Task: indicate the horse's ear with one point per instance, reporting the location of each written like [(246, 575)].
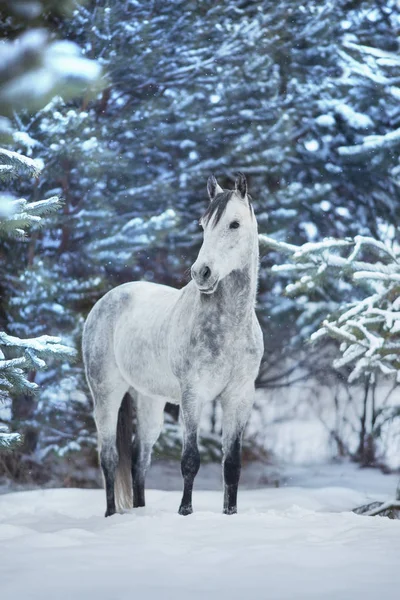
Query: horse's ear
[(213, 188), (241, 185)]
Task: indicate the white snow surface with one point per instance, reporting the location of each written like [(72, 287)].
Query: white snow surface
[(285, 543)]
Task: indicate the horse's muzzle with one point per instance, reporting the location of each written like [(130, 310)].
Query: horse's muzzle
[(204, 278)]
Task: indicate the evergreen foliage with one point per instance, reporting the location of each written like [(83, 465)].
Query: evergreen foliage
[(366, 329), (19, 357), (347, 292), (33, 68), (303, 98)]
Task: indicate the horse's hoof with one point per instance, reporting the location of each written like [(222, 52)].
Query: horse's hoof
[(185, 510), (110, 512), (232, 510)]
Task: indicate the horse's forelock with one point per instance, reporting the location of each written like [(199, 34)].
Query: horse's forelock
[(217, 207)]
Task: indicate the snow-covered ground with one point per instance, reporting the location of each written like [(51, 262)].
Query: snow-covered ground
[(286, 543)]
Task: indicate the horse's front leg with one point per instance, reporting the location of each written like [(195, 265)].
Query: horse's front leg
[(236, 406), (190, 463)]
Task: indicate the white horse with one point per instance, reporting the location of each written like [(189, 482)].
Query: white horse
[(157, 344)]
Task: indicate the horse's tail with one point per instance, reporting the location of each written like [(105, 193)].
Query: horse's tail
[(123, 477)]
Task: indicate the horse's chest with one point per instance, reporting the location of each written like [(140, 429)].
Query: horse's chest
[(212, 337), (215, 349)]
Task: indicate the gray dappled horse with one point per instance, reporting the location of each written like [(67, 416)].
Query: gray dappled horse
[(156, 344)]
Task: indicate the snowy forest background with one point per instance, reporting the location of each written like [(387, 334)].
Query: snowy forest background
[(113, 113)]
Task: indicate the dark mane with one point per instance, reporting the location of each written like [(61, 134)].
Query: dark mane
[(217, 206)]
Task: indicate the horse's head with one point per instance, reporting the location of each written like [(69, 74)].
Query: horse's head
[(230, 235)]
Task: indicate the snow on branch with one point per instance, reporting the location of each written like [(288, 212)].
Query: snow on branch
[(16, 216), (9, 441), (371, 144), (23, 215), (389, 57), (45, 345), (25, 355), (13, 164), (367, 331), (269, 242), (390, 509)]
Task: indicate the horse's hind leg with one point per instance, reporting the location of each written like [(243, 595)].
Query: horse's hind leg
[(106, 409), (149, 422)]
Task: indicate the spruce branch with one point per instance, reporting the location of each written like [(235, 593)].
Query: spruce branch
[(9, 441), (14, 164)]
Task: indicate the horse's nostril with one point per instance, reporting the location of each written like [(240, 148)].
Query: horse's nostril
[(205, 273)]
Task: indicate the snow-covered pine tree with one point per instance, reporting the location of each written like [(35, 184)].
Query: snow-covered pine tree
[(343, 86), (34, 66), (273, 89), (367, 329), (365, 332), (362, 319), (19, 357), (132, 165)]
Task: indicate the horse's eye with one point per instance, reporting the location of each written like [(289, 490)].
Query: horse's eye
[(234, 225)]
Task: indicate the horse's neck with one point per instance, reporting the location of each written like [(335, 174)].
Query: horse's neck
[(236, 294)]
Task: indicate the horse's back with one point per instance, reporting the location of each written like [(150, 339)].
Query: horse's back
[(126, 332)]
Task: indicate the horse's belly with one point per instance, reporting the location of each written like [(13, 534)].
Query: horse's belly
[(148, 376), (145, 367), (152, 387)]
